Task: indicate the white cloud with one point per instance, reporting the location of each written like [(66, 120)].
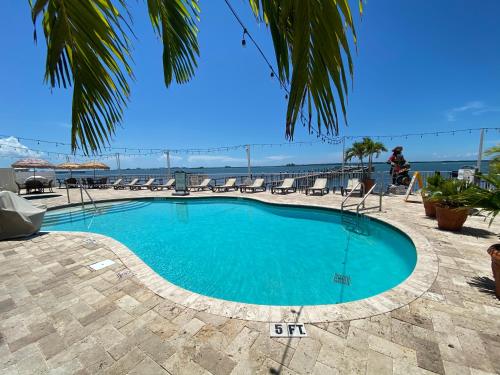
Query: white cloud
[(486, 110), (11, 147), (476, 106), (278, 157)]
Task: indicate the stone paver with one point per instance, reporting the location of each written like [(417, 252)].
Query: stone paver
[(59, 317)]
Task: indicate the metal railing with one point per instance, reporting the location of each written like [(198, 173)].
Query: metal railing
[(359, 187), (362, 203), (83, 189), (335, 178)]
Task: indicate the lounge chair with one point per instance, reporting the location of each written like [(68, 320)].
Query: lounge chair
[(148, 185), (229, 185), (319, 187), (132, 184), (201, 187), (169, 185), (258, 185), (354, 185), (285, 187), (116, 185)]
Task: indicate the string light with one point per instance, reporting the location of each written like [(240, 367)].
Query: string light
[(321, 138), (243, 41)]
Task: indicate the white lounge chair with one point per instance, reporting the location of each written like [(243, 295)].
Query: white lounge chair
[(354, 185), (169, 185), (318, 187), (229, 185), (116, 185), (285, 187), (148, 185), (258, 185), (132, 184), (205, 185)]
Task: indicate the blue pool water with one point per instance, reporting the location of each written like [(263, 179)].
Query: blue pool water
[(246, 251)]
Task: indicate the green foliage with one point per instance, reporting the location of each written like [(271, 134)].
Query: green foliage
[(175, 23), (487, 200), (312, 37), (366, 148), (372, 149), (433, 184), (88, 48), (450, 193), (495, 161), (357, 150)]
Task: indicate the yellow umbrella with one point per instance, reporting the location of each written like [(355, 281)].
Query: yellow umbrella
[(94, 165), (69, 166)]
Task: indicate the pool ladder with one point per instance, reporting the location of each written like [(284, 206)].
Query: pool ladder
[(358, 223)]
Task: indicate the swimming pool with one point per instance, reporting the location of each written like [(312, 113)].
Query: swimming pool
[(246, 251)]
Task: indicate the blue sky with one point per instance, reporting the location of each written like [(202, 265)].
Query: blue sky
[(420, 67)]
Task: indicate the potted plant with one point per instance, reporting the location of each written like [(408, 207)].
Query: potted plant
[(488, 200), (451, 204), (432, 186), (367, 148)]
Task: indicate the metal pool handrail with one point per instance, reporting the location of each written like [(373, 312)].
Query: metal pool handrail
[(362, 203), (343, 204)]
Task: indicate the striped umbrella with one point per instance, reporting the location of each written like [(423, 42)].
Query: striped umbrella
[(94, 165), (69, 166), (33, 163)]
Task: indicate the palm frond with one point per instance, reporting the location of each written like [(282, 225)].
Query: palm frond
[(357, 150), (88, 49), (313, 54), (174, 21)]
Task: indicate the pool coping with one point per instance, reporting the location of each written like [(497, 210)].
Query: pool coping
[(414, 286)]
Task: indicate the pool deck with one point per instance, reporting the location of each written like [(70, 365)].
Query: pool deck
[(57, 316)]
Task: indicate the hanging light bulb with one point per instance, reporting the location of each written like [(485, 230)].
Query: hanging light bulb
[(243, 40)]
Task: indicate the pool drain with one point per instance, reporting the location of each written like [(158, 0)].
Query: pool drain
[(342, 279)]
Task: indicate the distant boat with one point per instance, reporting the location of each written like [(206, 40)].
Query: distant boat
[(290, 165), (227, 166)]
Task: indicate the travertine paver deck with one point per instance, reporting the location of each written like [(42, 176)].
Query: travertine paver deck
[(58, 316)]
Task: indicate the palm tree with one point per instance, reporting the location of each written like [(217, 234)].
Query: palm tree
[(495, 161), (372, 149), (89, 49), (357, 150)]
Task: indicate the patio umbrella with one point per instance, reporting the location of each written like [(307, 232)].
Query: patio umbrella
[(94, 165), (69, 166), (33, 163)]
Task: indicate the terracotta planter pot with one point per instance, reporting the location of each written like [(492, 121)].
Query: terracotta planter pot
[(494, 251), (368, 184), (429, 207), (451, 218)]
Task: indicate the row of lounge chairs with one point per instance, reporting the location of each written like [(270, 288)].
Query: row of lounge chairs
[(149, 184), (286, 187), (258, 185)]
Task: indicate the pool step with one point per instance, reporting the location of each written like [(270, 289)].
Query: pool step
[(89, 212)]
